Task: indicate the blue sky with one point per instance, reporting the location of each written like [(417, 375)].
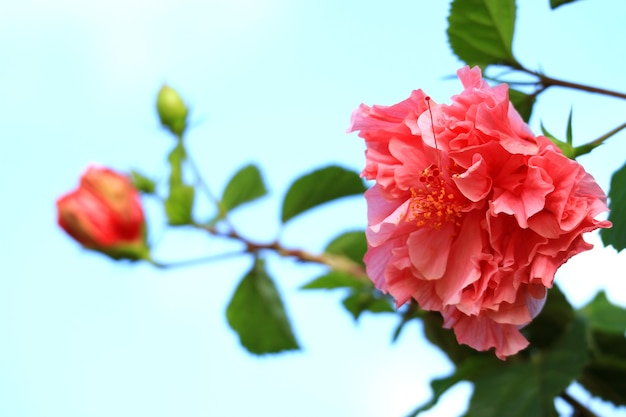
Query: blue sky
[(271, 82)]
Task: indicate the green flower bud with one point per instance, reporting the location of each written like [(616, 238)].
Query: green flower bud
[(172, 110)]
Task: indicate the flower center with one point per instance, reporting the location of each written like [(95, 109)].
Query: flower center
[(432, 204)]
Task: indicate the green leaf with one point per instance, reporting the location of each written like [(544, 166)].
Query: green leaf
[(522, 102), (604, 316), (368, 300), (569, 135), (528, 389), (480, 32), (179, 202), (179, 205), (609, 344), (550, 323), (319, 187), (411, 312), (548, 134), (175, 159), (333, 280), (469, 369), (142, 183), (445, 339), (567, 149), (353, 245), (556, 3), (523, 386), (605, 377), (245, 186), (257, 314), (616, 235)]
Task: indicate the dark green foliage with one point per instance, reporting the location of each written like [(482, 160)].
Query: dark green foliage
[(363, 296), (522, 102), (481, 31), (549, 324), (245, 186), (616, 236), (519, 387), (469, 369), (445, 339), (142, 183), (604, 316), (605, 376), (566, 147), (179, 205), (333, 280), (367, 299), (352, 245), (179, 202), (556, 3), (528, 388), (526, 384), (319, 187), (257, 314), (410, 311)]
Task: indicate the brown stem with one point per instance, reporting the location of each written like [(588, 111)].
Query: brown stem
[(336, 262), (194, 261), (607, 135), (588, 147), (579, 409), (550, 81)]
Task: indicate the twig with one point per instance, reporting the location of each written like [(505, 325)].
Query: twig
[(336, 262), (550, 81), (195, 261), (579, 409)]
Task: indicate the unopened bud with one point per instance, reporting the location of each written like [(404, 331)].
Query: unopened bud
[(105, 214), (172, 110)]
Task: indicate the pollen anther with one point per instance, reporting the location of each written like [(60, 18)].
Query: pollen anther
[(432, 204)]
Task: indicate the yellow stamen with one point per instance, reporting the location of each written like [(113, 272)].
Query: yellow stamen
[(432, 204)]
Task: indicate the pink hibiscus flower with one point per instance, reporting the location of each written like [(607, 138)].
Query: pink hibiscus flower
[(470, 213)]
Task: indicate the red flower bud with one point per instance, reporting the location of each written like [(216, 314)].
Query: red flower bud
[(104, 214)]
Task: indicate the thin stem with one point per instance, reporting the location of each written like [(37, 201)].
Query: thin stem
[(203, 185), (550, 81), (588, 147), (195, 261), (196, 172), (579, 409), (607, 135), (223, 215), (336, 262)]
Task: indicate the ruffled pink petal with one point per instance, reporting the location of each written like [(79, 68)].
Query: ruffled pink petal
[(535, 304), (527, 199), (474, 183), (376, 260), (482, 333), (463, 268), (384, 216), (429, 250)]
